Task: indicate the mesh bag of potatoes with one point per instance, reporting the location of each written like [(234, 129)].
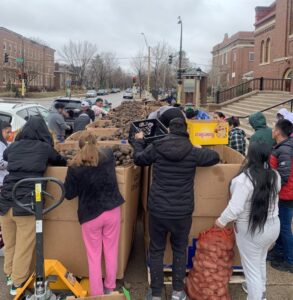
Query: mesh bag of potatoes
[(212, 265)]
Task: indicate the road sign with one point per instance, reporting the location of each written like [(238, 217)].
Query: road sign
[(19, 59)]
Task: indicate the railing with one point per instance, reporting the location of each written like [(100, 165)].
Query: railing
[(271, 107), (260, 84)]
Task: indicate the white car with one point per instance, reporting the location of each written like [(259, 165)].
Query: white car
[(17, 114), (128, 94), (91, 94)]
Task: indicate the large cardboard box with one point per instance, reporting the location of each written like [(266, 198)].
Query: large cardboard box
[(62, 231), (211, 190), (99, 124)]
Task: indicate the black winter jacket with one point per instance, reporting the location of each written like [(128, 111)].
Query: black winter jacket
[(282, 161), (96, 187), (27, 157), (174, 162)]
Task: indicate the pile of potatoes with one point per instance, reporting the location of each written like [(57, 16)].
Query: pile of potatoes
[(123, 154)]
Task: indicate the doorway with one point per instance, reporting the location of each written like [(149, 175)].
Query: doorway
[(288, 76)]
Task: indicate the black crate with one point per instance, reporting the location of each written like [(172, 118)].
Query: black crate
[(153, 129)]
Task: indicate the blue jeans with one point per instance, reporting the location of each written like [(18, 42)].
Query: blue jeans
[(284, 243)]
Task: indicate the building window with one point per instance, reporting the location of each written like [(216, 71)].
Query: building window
[(262, 52), (268, 50), (234, 56), (251, 56), (226, 58)]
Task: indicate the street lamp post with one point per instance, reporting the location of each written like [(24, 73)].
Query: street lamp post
[(179, 86), (149, 62), (198, 79)]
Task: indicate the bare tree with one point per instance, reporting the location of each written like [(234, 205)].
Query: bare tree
[(78, 55), (102, 68)]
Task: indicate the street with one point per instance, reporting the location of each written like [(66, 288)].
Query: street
[(115, 99)]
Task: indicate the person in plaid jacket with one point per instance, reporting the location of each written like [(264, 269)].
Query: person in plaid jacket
[(237, 136)]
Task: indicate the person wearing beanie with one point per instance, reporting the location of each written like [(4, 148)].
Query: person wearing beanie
[(85, 108), (171, 199)]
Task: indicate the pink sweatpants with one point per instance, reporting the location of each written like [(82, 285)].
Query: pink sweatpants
[(103, 231)]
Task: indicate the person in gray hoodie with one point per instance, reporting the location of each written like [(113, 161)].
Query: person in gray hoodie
[(56, 122)]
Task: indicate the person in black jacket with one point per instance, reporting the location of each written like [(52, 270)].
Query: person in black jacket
[(171, 199), (92, 178), (27, 157)]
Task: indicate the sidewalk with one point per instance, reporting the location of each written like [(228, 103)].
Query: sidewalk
[(280, 285)]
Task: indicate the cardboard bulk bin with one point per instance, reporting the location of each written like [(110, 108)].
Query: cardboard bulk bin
[(62, 231), (211, 198), (99, 124)]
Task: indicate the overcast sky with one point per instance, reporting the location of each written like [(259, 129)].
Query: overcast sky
[(116, 25)]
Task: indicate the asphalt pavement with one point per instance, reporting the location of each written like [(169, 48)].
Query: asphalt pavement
[(115, 99)]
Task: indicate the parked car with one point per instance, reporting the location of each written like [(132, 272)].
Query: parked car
[(91, 94), (128, 94), (17, 114), (101, 92), (115, 90)]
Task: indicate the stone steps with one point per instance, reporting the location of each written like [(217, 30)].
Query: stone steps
[(254, 104)]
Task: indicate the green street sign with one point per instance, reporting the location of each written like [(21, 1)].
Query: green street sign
[(19, 59)]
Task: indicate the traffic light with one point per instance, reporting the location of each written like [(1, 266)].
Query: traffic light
[(6, 57), (170, 59), (19, 76), (134, 80), (179, 72), (25, 76)]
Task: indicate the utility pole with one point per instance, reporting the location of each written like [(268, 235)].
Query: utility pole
[(22, 71), (149, 62), (179, 86)]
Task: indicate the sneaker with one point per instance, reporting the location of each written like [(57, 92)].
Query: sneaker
[(108, 291), (13, 290), (272, 256), (9, 280), (244, 287), (150, 297), (283, 266), (179, 295)]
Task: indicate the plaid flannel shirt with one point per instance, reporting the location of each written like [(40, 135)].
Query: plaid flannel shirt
[(237, 140)]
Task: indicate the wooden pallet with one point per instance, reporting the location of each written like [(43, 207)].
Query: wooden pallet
[(236, 278)]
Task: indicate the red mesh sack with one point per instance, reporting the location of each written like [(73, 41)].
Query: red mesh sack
[(212, 265)]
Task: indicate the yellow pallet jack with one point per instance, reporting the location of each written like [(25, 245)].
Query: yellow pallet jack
[(51, 280)]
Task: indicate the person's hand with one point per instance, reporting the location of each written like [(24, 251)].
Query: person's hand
[(218, 224), (139, 135)]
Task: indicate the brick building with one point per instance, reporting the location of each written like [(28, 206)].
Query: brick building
[(38, 61), (267, 52), (233, 58), (274, 40)]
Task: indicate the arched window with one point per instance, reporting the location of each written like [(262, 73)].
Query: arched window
[(268, 50), (262, 51)]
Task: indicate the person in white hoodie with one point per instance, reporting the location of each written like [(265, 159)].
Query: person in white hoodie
[(254, 209), (283, 113), (5, 132)]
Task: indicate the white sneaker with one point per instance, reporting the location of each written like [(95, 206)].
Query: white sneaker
[(179, 295)]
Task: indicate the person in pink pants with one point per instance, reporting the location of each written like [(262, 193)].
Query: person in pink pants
[(92, 178), (102, 232)]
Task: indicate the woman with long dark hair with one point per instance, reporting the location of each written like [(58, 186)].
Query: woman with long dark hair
[(254, 208)]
